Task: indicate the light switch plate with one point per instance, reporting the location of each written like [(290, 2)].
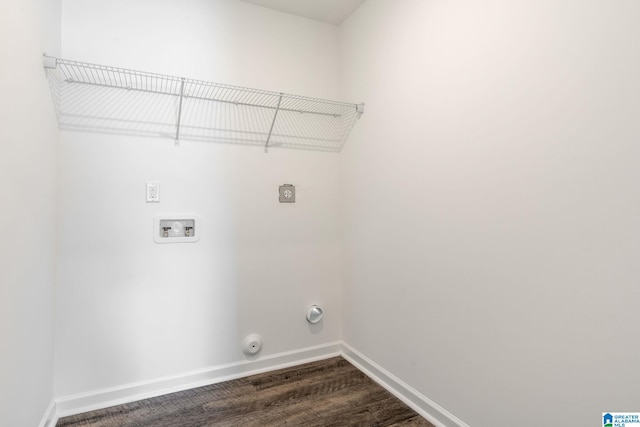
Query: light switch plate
[(287, 193)]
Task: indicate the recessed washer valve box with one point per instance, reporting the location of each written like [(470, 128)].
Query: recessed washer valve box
[(176, 228)]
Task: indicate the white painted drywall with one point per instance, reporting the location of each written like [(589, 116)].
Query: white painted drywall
[(132, 310), (492, 210), (28, 187)]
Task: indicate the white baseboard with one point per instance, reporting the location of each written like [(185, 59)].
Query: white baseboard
[(103, 398), (427, 408), (49, 419)]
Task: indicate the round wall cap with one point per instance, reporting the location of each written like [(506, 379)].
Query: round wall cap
[(252, 344)]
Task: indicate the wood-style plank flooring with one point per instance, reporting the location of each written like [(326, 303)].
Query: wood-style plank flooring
[(327, 393)]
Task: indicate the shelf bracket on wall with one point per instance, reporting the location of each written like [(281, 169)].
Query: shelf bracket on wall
[(360, 109), (275, 115), (180, 111), (49, 62)]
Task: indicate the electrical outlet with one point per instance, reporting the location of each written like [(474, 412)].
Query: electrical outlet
[(153, 192), (287, 193)]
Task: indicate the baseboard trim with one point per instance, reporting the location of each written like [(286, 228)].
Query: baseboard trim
[(104, 398), (427, 408), (49, 419)]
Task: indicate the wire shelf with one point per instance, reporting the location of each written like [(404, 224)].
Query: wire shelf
[(116, 100)]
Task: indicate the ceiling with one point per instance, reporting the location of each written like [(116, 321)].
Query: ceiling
[(329, 11)]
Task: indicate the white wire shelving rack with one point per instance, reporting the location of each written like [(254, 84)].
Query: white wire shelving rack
[(108, 99)]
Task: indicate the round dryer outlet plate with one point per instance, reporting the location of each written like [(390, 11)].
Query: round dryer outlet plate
[(314, 314)]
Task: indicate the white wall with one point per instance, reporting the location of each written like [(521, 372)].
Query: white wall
[(132, 310), (28, 187), (492, 206)]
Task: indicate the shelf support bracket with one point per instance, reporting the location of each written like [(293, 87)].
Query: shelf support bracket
[(49, 62), (360, 109), (266, 145), (179, 112)]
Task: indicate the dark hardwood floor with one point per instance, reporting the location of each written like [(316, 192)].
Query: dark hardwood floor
[(327, 393)]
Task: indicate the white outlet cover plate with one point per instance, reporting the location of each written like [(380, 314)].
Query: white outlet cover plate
[(152, 192)]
